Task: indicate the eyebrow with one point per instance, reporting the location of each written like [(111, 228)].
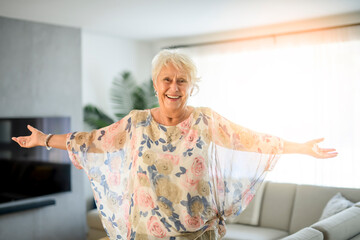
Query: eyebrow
[(166, 75)]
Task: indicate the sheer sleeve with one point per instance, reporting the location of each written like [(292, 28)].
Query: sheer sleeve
[(240, 159), (86, 146)]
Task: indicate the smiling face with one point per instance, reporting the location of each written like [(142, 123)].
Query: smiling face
[(173, 88)]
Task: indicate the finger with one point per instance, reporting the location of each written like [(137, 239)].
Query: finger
[(31, 128), (22, 141), (327, 149), (329, 155), (318, 140)]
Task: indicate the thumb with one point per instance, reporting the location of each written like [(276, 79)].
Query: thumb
[(31, 128)]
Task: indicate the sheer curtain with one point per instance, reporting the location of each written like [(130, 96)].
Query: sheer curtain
[(298, 87)]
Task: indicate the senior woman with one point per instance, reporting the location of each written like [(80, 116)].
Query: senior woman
[(173, 172)]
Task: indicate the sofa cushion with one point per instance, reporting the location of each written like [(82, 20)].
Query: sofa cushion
[(277, 205), (357, 204), (95, 234), (242, 232), (306, 233), (251, 214), (335, 205), (344, 225), (310, 202), (93, 220)]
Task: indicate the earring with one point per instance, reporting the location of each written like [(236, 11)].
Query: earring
[(156, 94)]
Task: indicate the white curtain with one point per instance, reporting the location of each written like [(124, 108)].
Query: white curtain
[(298, 87)]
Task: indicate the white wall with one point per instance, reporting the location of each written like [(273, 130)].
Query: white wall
[(103, 58)]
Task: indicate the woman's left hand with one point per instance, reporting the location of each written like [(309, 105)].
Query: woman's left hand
[(311, 148)]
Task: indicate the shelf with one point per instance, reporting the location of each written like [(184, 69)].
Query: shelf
[(26, 206)]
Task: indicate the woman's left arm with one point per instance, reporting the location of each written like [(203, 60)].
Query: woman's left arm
[(310, 148), (233, 136)]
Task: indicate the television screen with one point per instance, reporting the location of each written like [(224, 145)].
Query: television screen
[(32, 172)]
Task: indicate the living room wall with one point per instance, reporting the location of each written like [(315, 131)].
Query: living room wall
[(40, 68), (104, 57)]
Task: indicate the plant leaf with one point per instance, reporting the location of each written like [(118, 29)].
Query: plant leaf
[(96, 118)]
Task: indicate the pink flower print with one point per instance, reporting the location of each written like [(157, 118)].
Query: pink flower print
[(126, 207), (107, 141), (135, 156), (248, 197), (74, 160), (114, 126), (128, 229), (191, 138), (220, 187), (193, 223), (175, 159), (189, 181), (192, 181), (236, 141), (156, 228), (133, 140), (143, 199), (198, 166), (113, 178), (115, 164), (185, 127), (266, 138)]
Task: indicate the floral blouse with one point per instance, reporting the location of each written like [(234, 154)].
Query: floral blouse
[(152, 181)]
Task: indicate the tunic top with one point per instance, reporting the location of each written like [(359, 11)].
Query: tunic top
[(152, 181)]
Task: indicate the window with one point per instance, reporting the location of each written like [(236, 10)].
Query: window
[(298, 87)]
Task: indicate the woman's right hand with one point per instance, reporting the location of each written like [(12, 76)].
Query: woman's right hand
[(37, 138)]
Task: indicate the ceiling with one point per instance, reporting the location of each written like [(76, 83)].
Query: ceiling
[(157, 19)]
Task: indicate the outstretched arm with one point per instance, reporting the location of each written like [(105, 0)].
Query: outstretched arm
[(37, 138), (310, 148), (237, 137)]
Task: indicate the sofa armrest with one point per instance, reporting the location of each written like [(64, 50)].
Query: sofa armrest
[(93, 220), (305, 233), (343, 225)]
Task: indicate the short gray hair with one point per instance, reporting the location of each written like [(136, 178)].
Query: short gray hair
[(179, 61)]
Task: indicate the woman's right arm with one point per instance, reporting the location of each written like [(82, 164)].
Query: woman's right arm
[(37, 138)]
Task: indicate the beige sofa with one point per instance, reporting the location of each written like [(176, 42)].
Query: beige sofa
[(282, 210)]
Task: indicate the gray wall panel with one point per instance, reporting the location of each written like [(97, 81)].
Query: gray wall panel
[(40, 75)]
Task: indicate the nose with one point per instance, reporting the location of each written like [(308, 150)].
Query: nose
[(174, 85)]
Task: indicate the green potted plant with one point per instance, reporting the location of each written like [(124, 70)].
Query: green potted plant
[(125, 95)]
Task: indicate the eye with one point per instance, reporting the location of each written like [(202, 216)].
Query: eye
[(166, 79), (182, 80)]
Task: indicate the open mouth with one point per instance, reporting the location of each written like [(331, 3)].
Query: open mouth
[(173, 97)]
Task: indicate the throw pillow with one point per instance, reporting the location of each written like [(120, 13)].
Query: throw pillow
[(335, 205)]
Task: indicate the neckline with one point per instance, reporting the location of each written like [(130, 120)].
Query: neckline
[(186, 119)]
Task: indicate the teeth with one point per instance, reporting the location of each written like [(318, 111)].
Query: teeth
[(174, 97)]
